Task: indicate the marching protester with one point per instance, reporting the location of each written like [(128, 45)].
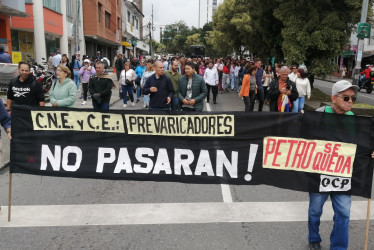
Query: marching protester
[(282, 92), (86, 72), (267, 78), (343, 96), (139, 72), (226, 77), (24, 89), (248, 89), (119, 65), (304, 90), (211, 79), (101, 88), (160, 88), (219, 67), (293, 75), (56, 59), (260, 89), (174, 76), (127, 80), (202, 68), (64, 90), (192, 89), (147, 73), (74, 67), (65, 61)]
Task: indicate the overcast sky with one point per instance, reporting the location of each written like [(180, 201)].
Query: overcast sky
[(170, 11)]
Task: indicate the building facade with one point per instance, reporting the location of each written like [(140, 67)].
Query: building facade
[(207, 10), (50, 25), (133, 44), (102, 27)]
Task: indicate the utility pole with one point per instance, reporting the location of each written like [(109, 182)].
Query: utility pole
[(207, 10), (160, 34), (360, 45), (151, 31)]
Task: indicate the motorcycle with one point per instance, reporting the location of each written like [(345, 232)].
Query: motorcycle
[(43, 76), (368, 84)]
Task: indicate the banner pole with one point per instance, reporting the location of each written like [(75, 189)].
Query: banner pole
[(367, 225), (10, 196)]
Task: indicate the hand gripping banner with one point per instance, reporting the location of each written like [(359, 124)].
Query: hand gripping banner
[(311, 152)]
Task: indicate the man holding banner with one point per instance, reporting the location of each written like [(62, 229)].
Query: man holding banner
[(343, 96)]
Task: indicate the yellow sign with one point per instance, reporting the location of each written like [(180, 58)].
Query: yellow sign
[(313, 156), (181, 125), (77, 121), (126, 44), (16, 57)]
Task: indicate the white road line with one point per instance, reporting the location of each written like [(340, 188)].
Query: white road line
[(167, 213), (226, 192)]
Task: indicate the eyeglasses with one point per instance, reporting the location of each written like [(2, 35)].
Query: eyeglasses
[(346, 98)]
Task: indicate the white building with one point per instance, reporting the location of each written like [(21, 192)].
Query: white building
[(132, 29), (207, 9)]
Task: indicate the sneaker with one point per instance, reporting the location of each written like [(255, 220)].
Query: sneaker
[(89, 97), (84, 103), (124, 106), (81, 97), (144, 106), (133, 104), (314, 246), (137, 100)]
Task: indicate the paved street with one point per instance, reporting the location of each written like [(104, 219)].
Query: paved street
[(68, 213)]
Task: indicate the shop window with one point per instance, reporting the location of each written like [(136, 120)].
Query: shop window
[(137, 23), (107, 20), (128, 16), (118, 23), (69, 8)]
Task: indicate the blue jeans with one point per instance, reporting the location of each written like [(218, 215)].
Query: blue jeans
[(233, 82), (127, 89), (76, 78), (138, 91), (146, 99), (175, 104), (298, 104), (341, 204), (101, 106)]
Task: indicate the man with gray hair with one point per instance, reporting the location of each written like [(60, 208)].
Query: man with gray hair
[(282, 89), (100, 88)]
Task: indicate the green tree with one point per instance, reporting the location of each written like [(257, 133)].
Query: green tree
[(315, 32)]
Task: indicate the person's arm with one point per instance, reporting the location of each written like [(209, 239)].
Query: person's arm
[(203, 91), (180, 88), (308, 90), (91, 88), (294, 93), (40, 94), (273, 91), (5, 118), (170, 89), (147, 86)]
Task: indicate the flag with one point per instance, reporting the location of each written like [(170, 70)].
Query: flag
[(286, 104)]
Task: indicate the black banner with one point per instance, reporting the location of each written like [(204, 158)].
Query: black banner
[(315, 152)]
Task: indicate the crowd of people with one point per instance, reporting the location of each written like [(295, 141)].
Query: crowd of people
[(183, 84)]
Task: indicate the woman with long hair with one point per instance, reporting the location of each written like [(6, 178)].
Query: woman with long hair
[(248, 89), (147, 73), (267, 77), (74, 67), (303, 87)]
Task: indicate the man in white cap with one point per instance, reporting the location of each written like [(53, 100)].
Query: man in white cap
[(343, 96)]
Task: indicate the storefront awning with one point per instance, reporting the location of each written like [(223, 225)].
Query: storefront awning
[(126, 44), (8, 11)]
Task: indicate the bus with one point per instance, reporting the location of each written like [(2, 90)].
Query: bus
[(197, 50)]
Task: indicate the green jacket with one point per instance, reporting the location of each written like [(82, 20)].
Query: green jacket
[(174, 79), (199, 90), (64, 94)]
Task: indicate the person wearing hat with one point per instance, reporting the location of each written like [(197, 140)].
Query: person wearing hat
[(86, 72), (343, 96)]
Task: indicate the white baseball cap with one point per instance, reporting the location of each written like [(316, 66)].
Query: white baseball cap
[(343, 85), (86, 60)]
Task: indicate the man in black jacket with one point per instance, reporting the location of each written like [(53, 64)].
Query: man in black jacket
[(279, 87), (25, 89), (160, 88), (119, 65), (100, 88)]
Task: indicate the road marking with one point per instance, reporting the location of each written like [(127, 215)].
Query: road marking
[(167, 213), (225, 188)]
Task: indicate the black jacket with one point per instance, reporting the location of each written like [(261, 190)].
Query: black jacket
[(164, 89), (29, 92), (102, 86), (273, 93)]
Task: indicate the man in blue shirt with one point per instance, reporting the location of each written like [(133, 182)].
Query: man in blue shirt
[(4, 57), (260, 89)]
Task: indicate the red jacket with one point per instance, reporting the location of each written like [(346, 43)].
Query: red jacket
[(366, 72)]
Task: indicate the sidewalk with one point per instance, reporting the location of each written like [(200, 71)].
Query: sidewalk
[(331, 78)]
